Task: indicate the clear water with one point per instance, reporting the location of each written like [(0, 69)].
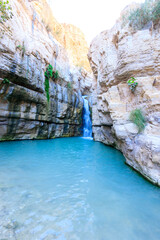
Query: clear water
[(73, 189), (87, 122)]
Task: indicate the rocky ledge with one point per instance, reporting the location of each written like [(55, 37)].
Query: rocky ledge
[(115, 56)]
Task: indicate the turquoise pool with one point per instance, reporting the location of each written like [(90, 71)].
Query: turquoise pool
[(73, 189)]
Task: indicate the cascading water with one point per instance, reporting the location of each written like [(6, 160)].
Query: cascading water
[(87, 123)]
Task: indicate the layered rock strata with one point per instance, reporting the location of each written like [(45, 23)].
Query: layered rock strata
[(26, 49), (115, 56)]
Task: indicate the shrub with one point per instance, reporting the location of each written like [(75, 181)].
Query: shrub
[(70, 85), (5, 81), (55, 75), (139, 17), (156, 12), (48, 75), (22, 49), (132, 84), (136, 116), (5, 11), (149, 11)]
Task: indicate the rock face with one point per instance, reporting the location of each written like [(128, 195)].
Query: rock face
[(115, 56), (26, 49), (76, 45), (68, 35)]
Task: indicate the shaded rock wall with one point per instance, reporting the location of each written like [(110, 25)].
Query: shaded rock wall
[(115, 56), (26, 49)]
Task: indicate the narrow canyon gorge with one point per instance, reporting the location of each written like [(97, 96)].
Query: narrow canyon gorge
[(31, 41)]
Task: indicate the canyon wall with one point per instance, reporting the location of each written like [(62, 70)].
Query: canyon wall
[(26, 49), (68, 35), (115, 56), (77, 47)]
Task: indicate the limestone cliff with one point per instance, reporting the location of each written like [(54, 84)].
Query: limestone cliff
[(68, 35), (76, 45), (26, 49), (115, 56)]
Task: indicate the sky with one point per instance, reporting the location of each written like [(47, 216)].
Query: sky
[(91, 16)]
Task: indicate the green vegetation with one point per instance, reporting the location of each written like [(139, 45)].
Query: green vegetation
[(156, 12), (5, 11), (136, 116), (5, 14), (22, 48), (6, 138), (147, 12), (48, 75), (70, 85), (5, 81), (132, 84), (55, 75)]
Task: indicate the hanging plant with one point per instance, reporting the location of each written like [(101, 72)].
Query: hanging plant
[(132, 84), (48, 74), (55, 75)]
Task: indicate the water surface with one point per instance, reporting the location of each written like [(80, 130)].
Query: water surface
[(73, 189)]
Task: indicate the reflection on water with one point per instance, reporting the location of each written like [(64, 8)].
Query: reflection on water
[(73, 189)]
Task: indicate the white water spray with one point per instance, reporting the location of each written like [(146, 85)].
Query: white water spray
[(87, 123)]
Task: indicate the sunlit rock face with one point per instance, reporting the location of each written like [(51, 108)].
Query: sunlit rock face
[(76, 45), (26, 49), (115, 56), (68, 35)]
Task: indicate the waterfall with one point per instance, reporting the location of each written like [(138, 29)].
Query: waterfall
[(87, 123)]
